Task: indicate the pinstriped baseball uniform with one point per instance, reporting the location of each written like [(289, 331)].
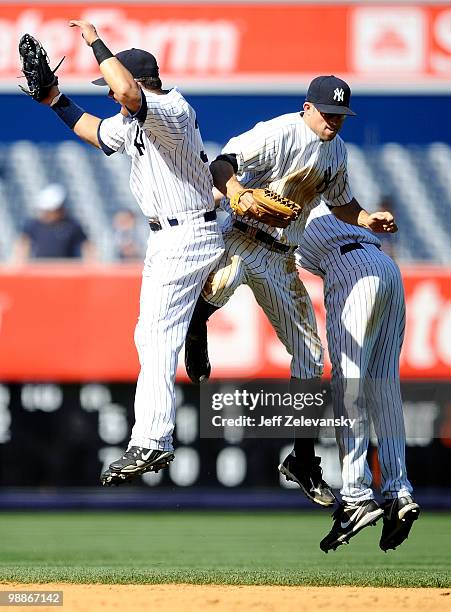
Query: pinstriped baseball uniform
[(364, 300), (169, 172), (171, 181), (285, 155)]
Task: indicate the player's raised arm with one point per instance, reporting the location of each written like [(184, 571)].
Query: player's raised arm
[(121, 82), (43, 83), (83, 124)]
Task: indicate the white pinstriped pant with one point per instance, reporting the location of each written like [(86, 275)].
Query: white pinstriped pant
[(365, 306), (178, 262), (274, 280)]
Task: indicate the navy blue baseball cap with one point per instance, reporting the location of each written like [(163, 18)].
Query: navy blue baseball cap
[(330, 95), (140, 63)]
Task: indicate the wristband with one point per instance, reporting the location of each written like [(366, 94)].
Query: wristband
[(56, 98), (67, 111), (230, 158), (101, 51)]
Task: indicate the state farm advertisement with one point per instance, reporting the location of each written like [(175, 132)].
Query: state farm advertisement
[(76, 323), (245, 47)]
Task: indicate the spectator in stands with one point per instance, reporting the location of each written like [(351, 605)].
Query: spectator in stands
[(128, 242), (53, 233)]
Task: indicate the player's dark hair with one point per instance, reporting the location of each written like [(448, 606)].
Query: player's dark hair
[(150, 82)]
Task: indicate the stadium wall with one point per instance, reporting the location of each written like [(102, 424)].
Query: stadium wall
[(83, 317)]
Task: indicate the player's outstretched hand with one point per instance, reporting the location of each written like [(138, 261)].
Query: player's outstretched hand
[(382, 222), (88, 31)]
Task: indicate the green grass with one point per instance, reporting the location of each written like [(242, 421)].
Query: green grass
[(214, 548)]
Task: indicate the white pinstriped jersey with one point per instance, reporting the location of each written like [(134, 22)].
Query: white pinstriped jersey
[(284, 154), (322, 235), (170, 172)]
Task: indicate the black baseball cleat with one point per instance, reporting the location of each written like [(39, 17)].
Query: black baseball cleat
[(399, 516), (134, 462), (197, 363), (349, 519), (310, 478)]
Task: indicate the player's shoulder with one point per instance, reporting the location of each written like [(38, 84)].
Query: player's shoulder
[(282, 121), (166, 98), (168, 105), (117, 120), (277, 128)]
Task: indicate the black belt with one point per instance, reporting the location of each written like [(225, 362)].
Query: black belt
[(155, 225), (262, 236), (352, 246)]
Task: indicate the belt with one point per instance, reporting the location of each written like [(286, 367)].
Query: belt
[(155, 223), (352, 246), (329, 261), (262, 236)]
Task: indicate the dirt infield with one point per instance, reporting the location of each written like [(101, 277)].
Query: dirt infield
[(192, 598)]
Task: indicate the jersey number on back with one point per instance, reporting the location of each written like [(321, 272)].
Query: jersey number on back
[(139, 141)]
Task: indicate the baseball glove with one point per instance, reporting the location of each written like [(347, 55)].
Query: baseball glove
[(36, 68), (272, 209)]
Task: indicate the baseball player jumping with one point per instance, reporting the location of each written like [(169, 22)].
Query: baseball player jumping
[(364, 300), (171, 182), (301, 157)]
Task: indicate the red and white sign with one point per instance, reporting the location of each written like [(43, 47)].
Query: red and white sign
[(389, 41), (76, 323), (245, 46)]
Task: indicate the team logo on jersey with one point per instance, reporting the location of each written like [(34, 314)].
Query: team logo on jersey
[(139, 141), (327, 179), (339, 94)]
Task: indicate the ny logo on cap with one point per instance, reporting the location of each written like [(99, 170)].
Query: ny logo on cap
[(339, 94)]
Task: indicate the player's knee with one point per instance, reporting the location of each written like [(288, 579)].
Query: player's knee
[(222, 284)]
